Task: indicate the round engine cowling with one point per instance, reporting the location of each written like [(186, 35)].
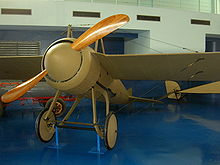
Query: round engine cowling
[(70, 71)]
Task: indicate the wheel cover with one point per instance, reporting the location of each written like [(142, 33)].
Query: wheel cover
[(111, 131), (45, 128)]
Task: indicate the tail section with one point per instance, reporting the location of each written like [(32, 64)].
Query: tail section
[(174, 91)]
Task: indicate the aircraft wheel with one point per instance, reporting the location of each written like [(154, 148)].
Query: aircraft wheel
[(111, 131), (1, 109), (45, 127), (60, 107)]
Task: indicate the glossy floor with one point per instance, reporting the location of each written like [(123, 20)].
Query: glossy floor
[(180, 133)]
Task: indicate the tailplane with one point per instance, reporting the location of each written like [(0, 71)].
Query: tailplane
[(213, 87)]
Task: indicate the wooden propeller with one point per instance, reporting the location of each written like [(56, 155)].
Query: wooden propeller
[(23, 88), (100, 30)]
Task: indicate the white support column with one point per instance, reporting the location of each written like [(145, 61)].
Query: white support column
[(217, 7)]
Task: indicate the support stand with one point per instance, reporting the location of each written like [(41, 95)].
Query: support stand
[(57, 145), (97, 149)]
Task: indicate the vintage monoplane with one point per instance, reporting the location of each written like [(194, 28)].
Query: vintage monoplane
[(70, 66)]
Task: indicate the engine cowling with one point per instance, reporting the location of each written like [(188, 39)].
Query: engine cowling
[(71, 71)]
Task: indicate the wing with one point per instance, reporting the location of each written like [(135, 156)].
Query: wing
[(19, 67), (182, 66)]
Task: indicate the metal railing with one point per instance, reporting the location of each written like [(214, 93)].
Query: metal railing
[(207, 6)]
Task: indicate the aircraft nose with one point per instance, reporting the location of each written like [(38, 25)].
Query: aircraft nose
[(62, 62)]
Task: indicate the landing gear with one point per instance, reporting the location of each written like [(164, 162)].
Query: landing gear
[(60, 107), (46, 121), (1, 109), (111, 131), (45, 126)]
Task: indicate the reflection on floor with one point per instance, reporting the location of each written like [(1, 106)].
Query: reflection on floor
[(183, 133)]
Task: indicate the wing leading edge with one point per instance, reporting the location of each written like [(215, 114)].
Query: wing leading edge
[(19, 67), (183, 66)]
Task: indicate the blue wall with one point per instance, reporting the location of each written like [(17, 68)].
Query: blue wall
[(44, 37), (114, 43)]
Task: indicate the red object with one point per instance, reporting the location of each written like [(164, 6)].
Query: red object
[(45, 99), (36, 99), (10, 84)]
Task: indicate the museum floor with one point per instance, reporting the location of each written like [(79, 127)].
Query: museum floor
[(179, 133)]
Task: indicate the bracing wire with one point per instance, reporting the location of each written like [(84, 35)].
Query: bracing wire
[(171, 44), (124, 106), (140, 44)]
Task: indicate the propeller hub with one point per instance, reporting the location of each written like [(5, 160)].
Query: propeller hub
[(62, 62)]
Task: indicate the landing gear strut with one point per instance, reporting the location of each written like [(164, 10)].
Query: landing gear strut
[(110, 132)]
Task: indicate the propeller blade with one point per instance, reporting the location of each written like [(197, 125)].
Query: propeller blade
[(23, 88), (100, 30)]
